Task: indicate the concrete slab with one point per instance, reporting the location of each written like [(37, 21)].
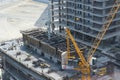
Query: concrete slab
[(56, 74)]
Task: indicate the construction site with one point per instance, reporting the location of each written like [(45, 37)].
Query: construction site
[(75, 40)]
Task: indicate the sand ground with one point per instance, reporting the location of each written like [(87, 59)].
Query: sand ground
[(21, 15)]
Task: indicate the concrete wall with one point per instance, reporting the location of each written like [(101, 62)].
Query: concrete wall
[(42, 48), (50, 56)]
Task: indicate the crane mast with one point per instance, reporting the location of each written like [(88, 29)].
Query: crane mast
[(80, 54), (104, 29), (84, 65)]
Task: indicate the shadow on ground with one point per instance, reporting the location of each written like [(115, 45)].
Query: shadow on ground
[(42, 19)]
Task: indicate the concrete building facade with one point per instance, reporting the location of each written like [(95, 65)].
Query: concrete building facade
[(85, 19)]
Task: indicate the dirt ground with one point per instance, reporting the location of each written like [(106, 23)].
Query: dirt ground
[(20, 15)]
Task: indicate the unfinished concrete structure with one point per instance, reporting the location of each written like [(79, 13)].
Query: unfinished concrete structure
[(39, 42), (32, 62), (85, 18), (38, 58), (52, 48), (20, 60)]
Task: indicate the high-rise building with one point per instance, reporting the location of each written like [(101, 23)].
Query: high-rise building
[(85, 19)]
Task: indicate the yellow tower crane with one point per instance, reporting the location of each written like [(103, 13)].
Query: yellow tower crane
[(84, 66)]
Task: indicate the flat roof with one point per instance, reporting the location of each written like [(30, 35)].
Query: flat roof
[(11, 48)]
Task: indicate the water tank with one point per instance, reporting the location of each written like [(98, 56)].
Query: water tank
[(64, 59), (92, 61)]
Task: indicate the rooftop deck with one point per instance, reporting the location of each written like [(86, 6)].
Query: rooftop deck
[(16, 51)]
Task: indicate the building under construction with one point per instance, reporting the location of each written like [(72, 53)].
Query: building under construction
[(38, 56), (85, 19)]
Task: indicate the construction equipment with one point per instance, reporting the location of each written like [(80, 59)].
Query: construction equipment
[(101, 34), (84, 65), (102, 71)]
